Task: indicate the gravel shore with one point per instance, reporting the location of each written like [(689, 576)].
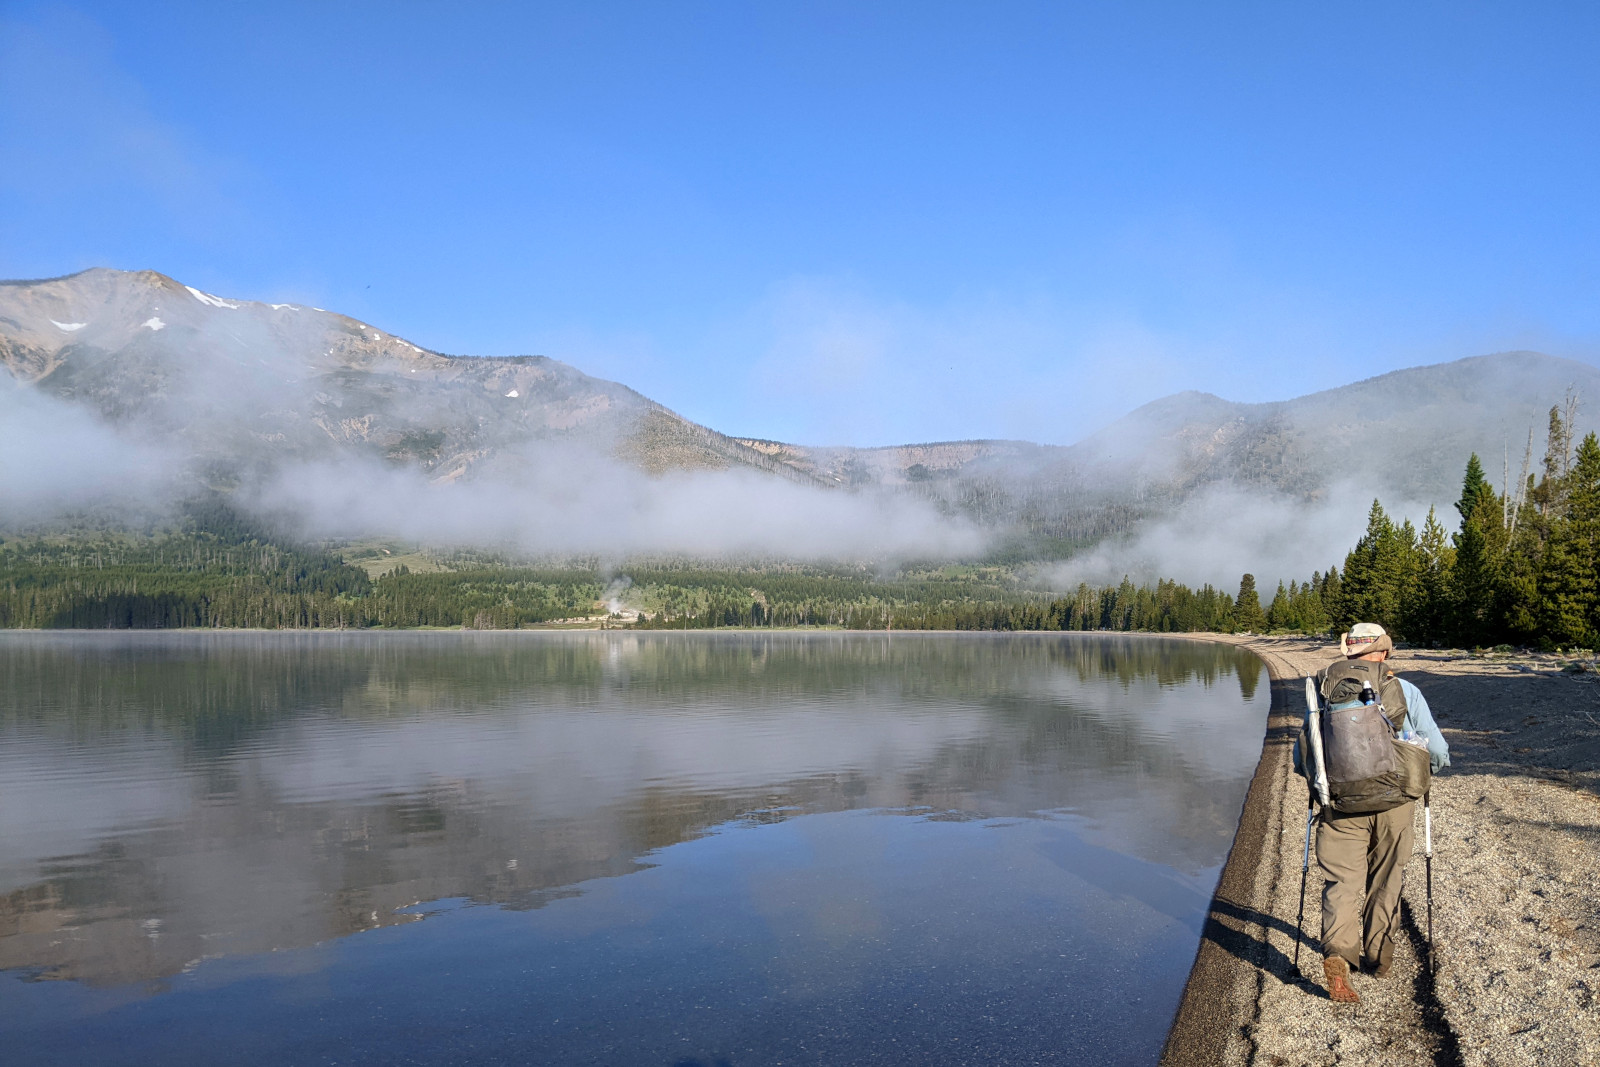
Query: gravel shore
[(1516, 908)]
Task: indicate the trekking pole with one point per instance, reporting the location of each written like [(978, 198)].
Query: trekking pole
[(1427, 862), (1305, 869), (1317, 782)]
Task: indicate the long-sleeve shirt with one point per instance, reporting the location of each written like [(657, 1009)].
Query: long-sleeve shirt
[(1419, 717)]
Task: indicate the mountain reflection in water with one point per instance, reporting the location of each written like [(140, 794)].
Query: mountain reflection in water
[(172, 799)]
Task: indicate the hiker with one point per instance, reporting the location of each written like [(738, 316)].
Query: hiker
[(1364, 836)]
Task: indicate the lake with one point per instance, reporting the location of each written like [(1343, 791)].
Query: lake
[(610, 847)]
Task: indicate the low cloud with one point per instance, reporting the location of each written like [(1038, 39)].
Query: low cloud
[(1227, 531), (558, 499), (57, 458)]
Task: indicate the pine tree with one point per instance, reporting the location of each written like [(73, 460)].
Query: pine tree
[(1584, 512), (1401, 566), (1476, 597), (1355, 597), (1565, 589), (1568, 598), (1380, 573), (1472, 485), (1311, 615), (1547, 496), (1536, 560), (1122, 606), (1558, 447), (1519, 601), (1331, 593), (1247, 614), (1425, 614), (1280, 613)]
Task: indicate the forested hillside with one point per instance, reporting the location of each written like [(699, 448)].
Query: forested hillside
[(221, 570)]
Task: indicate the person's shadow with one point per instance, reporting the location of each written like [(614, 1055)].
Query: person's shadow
[(1259, 952)]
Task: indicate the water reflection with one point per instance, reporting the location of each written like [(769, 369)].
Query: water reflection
[(167, 799)]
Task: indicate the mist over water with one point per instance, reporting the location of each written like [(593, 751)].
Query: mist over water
[(767, 846)]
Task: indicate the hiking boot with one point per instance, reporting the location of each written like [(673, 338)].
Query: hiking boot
[(1337, 971), (1384, 963)]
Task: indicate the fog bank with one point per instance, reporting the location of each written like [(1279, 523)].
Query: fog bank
[(58, 458), (568, 499), (1226, 531)]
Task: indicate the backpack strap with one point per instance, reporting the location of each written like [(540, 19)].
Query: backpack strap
[(1386, 684)]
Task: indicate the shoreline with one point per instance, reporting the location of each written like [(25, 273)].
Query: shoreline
[(1221, 997), (1516, 908)]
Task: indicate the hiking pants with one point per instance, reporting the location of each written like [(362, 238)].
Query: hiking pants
[(1362, 853)]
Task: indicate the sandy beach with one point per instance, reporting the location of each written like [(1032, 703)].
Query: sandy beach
[(1516, 901)]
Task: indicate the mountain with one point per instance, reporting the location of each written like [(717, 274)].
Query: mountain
[(241, 388), (1405, 435), (240, 384), (1408, 432)]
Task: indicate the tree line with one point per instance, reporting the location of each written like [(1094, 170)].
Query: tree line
[(1522, 567), (921, 602), (200, 581), (220, 571)]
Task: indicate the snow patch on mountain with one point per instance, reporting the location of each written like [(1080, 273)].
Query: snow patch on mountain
[(153, 323), (69, 327), (207, 298)]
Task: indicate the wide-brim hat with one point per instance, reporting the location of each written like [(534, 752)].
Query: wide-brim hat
[(1365, 638)]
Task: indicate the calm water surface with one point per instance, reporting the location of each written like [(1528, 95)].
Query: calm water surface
[(609, 848)]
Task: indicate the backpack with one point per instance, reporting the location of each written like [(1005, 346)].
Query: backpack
[(1369, 768)]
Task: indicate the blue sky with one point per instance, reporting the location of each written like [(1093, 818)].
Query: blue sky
[(863, 223)]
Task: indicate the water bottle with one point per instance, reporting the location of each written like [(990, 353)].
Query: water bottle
[(1367, 695)]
